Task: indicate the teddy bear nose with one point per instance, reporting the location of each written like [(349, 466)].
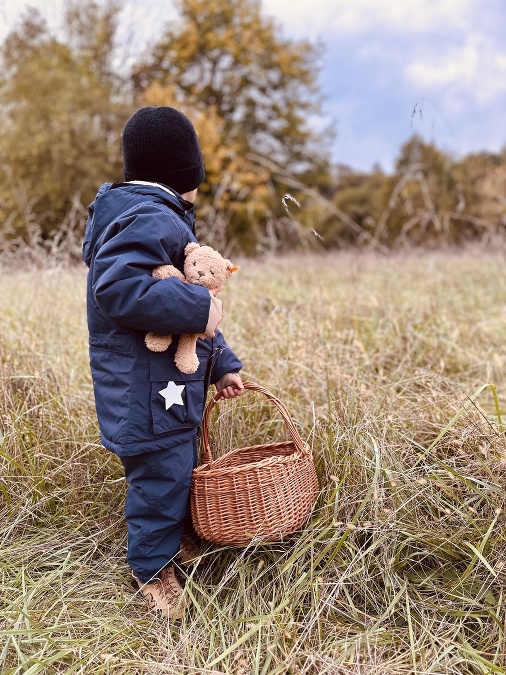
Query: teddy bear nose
[(201, 274)]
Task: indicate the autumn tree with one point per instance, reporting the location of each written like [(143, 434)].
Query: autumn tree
[(481, 182), (61, 114), (228, 65), (418, 195), (430, 198)]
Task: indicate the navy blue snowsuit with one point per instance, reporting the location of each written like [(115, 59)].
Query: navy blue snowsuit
[(132, 229)]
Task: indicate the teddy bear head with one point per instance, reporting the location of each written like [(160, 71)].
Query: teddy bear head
[(206, 267)]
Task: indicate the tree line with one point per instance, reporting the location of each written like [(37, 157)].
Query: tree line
[(251, 94)]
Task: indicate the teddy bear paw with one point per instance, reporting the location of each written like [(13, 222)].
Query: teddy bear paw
[(187, 363), (157, 343)]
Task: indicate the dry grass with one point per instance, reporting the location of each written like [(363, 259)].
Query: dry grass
[(402, 567)]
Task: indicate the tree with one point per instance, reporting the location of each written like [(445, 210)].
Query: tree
[(61, 113), (229, 67), (481, 179), (421, 194), (362, 197), (433, 198)]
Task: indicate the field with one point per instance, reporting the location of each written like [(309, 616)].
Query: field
[(393, 369)]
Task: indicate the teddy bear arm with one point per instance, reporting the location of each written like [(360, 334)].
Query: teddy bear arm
[(157, 343), (186, 358), (166, 271)]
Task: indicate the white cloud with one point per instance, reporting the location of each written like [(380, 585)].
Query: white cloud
[(476, 68), (344, 17)]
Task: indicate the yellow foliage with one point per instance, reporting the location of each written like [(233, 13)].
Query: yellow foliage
[(233, 182)]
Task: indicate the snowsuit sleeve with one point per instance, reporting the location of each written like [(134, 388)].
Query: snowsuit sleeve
[(224, 359), (122, 285)]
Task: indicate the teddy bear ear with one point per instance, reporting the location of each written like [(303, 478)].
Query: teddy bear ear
[(190, 247)]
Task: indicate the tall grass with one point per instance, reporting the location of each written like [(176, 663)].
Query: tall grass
[(401, 568)]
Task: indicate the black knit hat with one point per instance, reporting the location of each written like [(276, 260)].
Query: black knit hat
[(160, 145)]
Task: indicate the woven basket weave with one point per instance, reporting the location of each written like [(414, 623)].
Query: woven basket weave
[(262, 491)]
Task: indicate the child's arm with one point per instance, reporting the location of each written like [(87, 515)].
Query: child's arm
[(225, 369), (124, 289)]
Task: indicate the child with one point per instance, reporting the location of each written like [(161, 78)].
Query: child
[(148, 411)]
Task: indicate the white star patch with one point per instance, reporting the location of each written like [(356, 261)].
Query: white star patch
[(172, 394)]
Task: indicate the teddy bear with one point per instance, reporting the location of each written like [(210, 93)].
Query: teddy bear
[(202, 266)]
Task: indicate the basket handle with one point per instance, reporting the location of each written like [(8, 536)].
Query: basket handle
[(206, 450)]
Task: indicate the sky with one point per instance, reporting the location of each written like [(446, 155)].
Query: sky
[(390, 68)]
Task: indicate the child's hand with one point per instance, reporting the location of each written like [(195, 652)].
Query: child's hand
[(215, 291), (229, 386)]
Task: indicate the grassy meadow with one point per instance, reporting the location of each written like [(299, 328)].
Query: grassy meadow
[(383, 363)]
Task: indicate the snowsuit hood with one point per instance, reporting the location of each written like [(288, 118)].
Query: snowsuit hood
[(113, 199)]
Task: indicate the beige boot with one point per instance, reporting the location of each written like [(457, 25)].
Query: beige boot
[(164, 595), (189, 551)]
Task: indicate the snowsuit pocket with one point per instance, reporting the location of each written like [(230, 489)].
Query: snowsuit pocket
[(177, 399), (112, 360)]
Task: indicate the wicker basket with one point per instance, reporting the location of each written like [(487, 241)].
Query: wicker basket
[(262, 491)]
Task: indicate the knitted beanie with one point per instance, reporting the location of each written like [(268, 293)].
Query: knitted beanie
[(160, 145)]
